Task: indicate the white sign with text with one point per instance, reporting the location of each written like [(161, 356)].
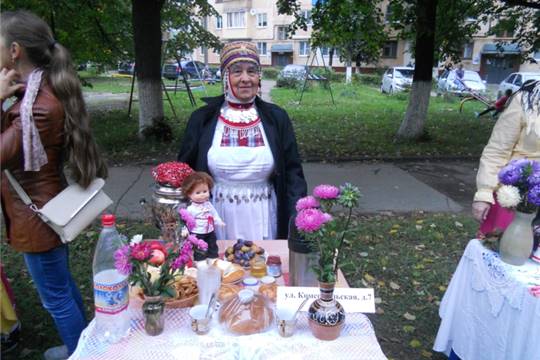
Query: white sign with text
[(353, 300)]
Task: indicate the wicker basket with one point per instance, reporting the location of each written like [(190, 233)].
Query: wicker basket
[(136, 298)]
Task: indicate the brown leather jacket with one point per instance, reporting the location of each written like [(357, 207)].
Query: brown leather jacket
[(26, 231)]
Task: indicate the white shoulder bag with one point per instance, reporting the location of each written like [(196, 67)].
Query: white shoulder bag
[(72, 210)]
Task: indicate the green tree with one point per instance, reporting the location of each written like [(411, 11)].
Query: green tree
[(354, 27)]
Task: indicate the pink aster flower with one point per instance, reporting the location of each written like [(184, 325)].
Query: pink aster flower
[(310, 220), (121, 260), (180, 261), (308, 202), (187, 218), (141, 251), (327, 217), (326, 191), (198, 243)]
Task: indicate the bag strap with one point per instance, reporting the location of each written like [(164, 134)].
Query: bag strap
[(20, 191)]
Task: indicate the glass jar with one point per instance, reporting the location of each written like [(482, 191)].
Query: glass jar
[(274, 265), (258, 267)]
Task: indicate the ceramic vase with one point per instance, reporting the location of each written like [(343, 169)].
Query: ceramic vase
[(154, 319), (326, 315), (165, 203), (516, 244)]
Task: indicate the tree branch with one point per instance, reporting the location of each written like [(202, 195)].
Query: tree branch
[(525, 3)]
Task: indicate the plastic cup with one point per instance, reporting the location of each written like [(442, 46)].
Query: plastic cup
[(199, 323), (286, 322)]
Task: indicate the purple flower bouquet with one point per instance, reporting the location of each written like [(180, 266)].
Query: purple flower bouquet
[(520, 185)]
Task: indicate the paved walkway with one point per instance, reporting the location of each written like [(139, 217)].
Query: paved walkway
[(385, 187)]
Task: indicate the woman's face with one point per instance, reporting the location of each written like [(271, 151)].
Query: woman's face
[(244, 80)]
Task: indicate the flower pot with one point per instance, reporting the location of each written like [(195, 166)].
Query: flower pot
[(516, 244), (165, 203), (326, 315), (154, 320)]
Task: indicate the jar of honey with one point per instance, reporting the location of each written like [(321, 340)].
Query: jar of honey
[(274, 266), (258, 267)]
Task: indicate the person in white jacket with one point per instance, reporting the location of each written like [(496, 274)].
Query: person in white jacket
[(197, 187)]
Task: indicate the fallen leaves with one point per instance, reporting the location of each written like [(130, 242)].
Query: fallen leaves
[(409, 317), (394, 286)]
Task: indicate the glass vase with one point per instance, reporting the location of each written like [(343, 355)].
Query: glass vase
[(326, 315), (516, 244), (165, 203), (154, 320)]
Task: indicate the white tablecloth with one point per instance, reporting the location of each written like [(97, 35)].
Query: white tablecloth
[(178, 341), (488, 311)]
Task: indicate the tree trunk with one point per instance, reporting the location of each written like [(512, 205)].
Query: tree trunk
[(348, 73), (330, 57), (146, 18), (413, 124)]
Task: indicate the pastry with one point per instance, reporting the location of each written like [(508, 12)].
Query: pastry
[(269, 290), (233, 274), (227, 291)]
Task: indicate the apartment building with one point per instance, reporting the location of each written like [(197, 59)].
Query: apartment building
[(258, 21)]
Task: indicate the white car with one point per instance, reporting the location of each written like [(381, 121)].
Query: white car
[(515, 80), (397, 79), (471, 82)]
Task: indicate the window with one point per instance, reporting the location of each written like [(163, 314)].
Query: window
[(536, 55), (511, 78), (236, 19), (219, 22), (389, 13), (262, 20), (306, 14), (261, 47), (518, 81), (324, 50), (304, 48), (468, 50), (282, 32), (390, 50)]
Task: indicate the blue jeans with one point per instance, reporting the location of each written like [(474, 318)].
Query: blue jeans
[(58, 292)]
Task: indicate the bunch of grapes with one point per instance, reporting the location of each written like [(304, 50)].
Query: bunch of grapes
[(242, 252)]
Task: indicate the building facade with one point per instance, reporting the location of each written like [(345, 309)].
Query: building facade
[(258, 21)]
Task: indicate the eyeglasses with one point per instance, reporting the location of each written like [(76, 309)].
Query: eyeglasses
[(237, 70)]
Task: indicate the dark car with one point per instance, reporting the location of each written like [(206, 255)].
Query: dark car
[(192, 69), (126, 67)]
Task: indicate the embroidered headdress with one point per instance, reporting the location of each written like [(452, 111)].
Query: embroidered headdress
[(238, 51)]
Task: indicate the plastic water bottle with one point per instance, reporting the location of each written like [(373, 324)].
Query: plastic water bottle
[(111, 289)]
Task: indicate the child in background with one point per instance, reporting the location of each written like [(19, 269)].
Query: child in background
[(498, 106), (197, 188)]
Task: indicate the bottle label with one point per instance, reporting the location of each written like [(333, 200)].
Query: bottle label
[(111, 298)]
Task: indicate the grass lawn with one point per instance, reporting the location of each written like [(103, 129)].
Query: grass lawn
[(408, 260), (362, 125)]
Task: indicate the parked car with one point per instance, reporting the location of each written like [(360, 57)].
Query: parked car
[(515, 80), (397, 79), (126, 67), (298, 72), (450, 83), (193, 69)]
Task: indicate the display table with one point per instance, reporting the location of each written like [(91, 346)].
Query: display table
[(488, 311), (178, 341)]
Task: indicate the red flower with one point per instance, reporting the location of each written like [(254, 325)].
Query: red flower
[(157, 258), (171, 173)]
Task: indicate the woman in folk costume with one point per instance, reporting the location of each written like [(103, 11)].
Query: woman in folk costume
[(45, 128), (516, 135), (249, 148)]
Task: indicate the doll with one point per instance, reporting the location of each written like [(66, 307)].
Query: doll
[(197, 188)]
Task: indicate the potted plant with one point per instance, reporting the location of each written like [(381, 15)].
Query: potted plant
[(327, 231), (153, 266), (520, 191)]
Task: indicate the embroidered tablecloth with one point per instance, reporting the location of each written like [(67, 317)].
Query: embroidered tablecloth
[(489, 310), (178, 341)]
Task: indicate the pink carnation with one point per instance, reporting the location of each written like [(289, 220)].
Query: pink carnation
[(310, 220), (187, 218), (307, 202), (326, 192)]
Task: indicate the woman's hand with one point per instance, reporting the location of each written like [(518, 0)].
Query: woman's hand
[(7, 87), (480, 210)]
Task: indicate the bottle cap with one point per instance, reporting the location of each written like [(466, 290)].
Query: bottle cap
[(268, 280), (246, 296), (273, 259), (108, 219), (250, 281)]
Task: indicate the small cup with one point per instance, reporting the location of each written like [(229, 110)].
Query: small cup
[(286, 322), (199, 324)]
